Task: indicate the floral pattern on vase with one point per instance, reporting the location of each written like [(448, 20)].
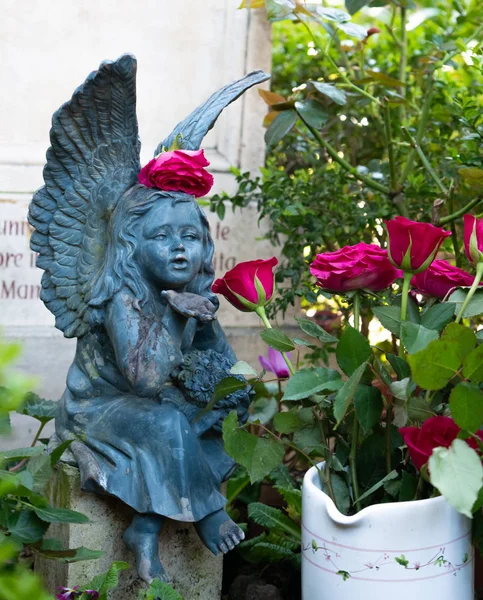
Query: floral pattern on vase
[(419, 550)]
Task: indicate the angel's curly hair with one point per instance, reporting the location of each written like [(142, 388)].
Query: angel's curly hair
[(120, 268)]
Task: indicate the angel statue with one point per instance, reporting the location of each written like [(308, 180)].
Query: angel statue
[(127, 259)]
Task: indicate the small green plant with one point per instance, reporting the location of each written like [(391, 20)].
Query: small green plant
[(25, 512)]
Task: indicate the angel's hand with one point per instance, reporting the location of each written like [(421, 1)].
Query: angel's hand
[(190, 305)]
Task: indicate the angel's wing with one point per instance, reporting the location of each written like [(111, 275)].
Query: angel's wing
[(92, 161), (194, 128)]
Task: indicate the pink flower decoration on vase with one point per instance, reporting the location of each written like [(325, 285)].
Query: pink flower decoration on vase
[(275, 363), (354, 268), (473, 238), (178, 171), (249, 285), (413, 246), (439, 278)]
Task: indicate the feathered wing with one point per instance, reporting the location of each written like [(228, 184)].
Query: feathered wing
[(92, 161), (194, 128)]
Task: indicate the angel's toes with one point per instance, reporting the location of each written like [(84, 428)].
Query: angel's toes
[(219, 533), (231, 537)]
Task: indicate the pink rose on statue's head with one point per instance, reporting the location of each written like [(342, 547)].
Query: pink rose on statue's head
[(413, 246), (438, 279), (275, 363), (178, 171), (354, 268), (248, 285), (435, 432), (473, 238)]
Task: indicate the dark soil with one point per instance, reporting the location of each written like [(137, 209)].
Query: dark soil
[(245, 581)]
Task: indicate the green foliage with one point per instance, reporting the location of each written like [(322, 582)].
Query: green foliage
[(310, 381), (433, 367), (358, 131), (25, 513), (416, 337), (368, 406), (347, 392), (277, 339), (158, 590), (108, 581), (457, 473), (332, 79), (259, 455), (466, 404)]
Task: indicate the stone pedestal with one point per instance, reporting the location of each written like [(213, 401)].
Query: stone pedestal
[(195, 572)]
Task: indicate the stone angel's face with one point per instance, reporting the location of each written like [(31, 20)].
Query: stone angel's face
[(170, 245)]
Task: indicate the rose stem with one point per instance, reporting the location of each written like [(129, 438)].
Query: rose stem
[(404, 305), (263, 316), (355, 428), (476, 282)]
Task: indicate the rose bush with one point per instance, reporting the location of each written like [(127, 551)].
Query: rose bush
[(362, 266), (412, 397), (413, 246), (439, 278), (249, 285), (178, 171)]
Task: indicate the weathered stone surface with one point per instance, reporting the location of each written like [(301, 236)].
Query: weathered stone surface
[(195, 572)]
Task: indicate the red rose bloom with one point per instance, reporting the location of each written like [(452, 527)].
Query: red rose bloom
[(354, 268), (413, 246), (248, 285), (178, 171), (435, 432), (473, 238), (438, 279)]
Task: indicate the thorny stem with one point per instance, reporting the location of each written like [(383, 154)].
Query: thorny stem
[(35, 440), (353, 463), (460, 212), (421, 128), (454, 234), (404, 304), (473, 288), (355, 427), (390, 147), (263, 316), (388, 437), (425, 162), (403, 62), (326, 478), (343, 163)]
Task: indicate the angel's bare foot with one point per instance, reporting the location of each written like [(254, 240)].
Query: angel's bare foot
[(142, 538), (190, 305), (219, 533)]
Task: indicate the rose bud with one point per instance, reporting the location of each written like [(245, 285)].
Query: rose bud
[(373, 31), (275, 363), (413, 246), (473, 238), (362, 266), (178, 171), (439, 278), (249, 285)]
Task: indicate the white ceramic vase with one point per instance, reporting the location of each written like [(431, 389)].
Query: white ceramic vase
[(417, 550)]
